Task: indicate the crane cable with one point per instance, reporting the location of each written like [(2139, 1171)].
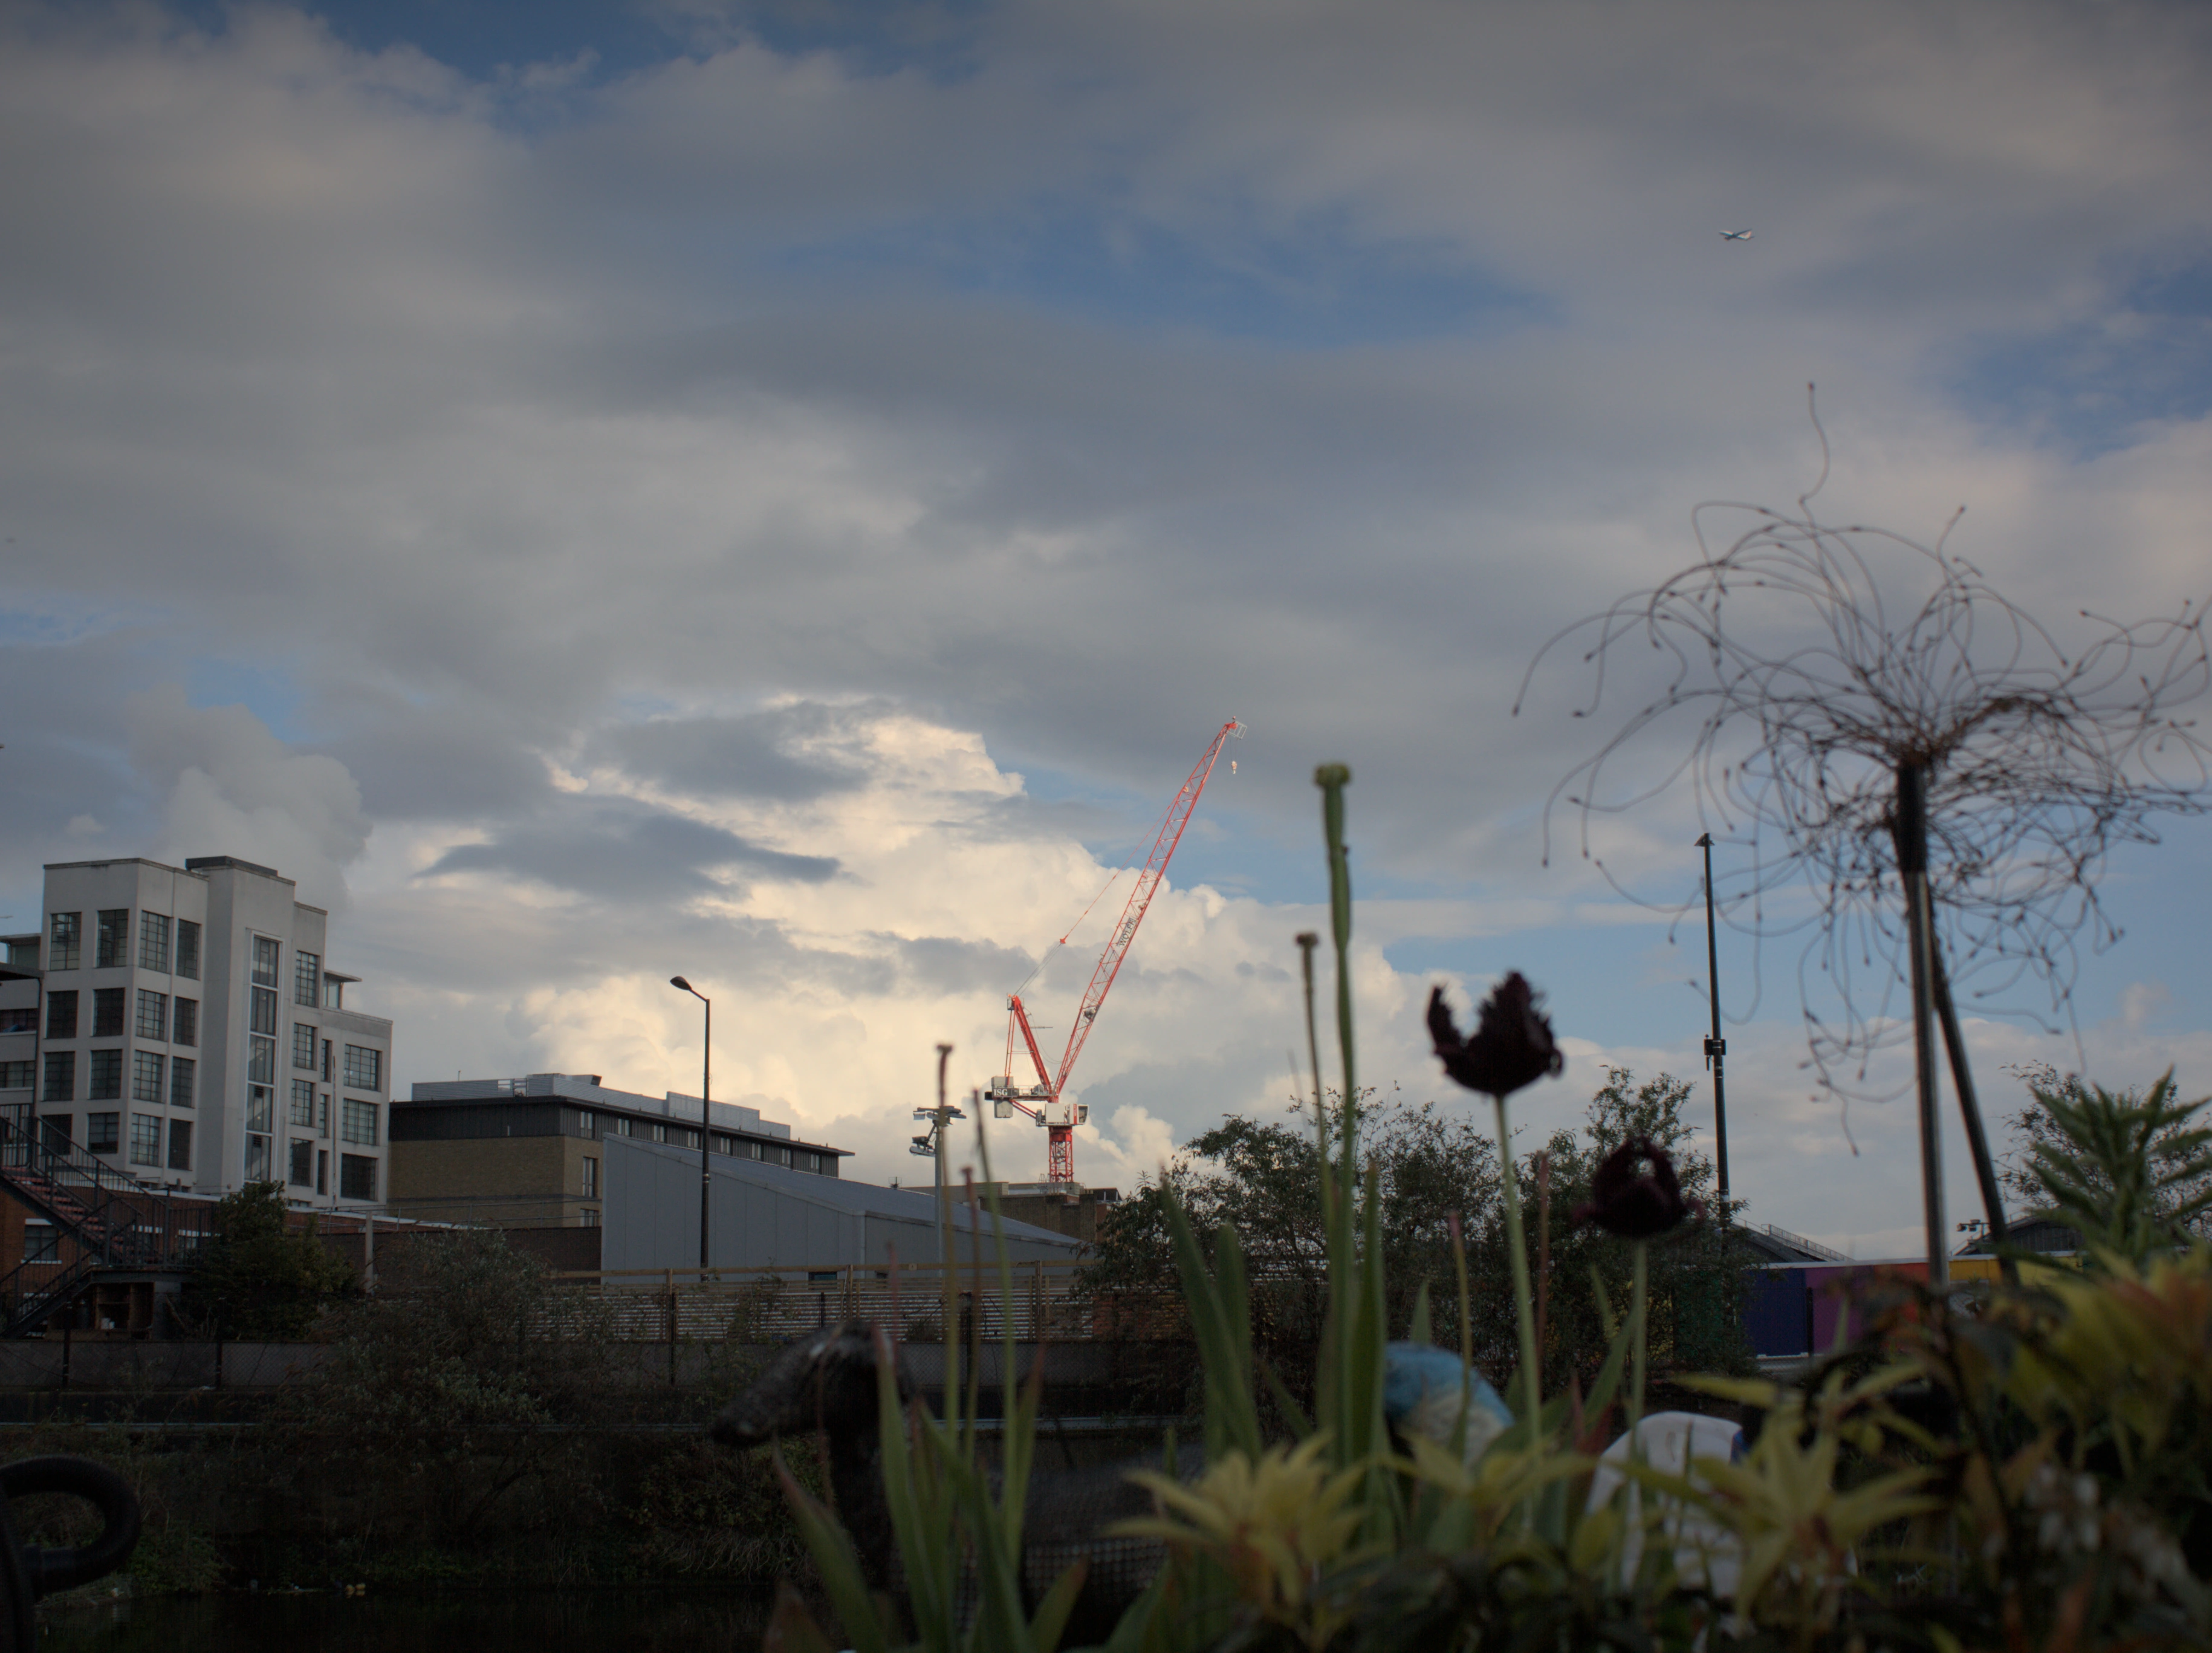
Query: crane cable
[(1046, 956)]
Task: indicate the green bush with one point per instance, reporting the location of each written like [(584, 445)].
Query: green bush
[(257, 1278)]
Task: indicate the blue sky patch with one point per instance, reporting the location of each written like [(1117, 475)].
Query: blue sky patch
[(486, 38), (270, 692), (2092, 386), (1317, 283)]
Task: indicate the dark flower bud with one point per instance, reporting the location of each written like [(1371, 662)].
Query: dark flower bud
[(1512, 1043), (1629, 1201)]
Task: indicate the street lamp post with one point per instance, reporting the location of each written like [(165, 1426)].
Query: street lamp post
[(706, 1116)]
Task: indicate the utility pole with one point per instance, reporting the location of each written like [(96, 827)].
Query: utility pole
[(1715, 1046)]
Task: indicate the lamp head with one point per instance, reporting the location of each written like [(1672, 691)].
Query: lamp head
[(679, 981)]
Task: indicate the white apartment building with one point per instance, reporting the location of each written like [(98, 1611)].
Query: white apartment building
[(19, 1024), (193, 1035)]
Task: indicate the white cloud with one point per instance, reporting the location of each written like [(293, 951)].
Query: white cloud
[(944, 413), (234, 789)]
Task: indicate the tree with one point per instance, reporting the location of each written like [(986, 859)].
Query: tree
[(1263, 1178), (1697, 1276), (436, 1401), (260, 1279), (2130, 1172)]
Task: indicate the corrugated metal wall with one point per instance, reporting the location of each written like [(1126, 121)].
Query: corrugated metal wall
[(763, 1217)]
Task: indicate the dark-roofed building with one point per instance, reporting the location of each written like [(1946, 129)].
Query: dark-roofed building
[(532, 1153)]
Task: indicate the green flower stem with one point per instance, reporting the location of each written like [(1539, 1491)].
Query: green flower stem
[(1640, 1351), (1524, 1306)]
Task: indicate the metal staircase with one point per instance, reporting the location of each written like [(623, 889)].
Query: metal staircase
[(107, 1217)]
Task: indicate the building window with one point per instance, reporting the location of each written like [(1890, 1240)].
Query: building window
[(61, 1077), (323, 1115), (112, 945), (152, 1015), (359, 1121), (323, 1170), (303, 1047), (54, 1132), (107, 1012), (42, 1241), (584, 1120), (256, 1159), (180, 1145), (188, 949), (303, 1104), (260, 1059), (691, 1139), (20, 1018), (145, 1139), (15, 1076), (65, 948), (61, 1015), (182, 1072), (267, 951), (590, 1219), (660, 1133), (591, 1177), (146, 1078), (306, 978), (106, 1070), (303, 1163), (103, 1132), (154, 942), (725, 1143), (356, 1177), (364, 1068), (260, 1108), (185, 1027)]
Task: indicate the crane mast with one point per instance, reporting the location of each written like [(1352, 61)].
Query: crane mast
[(1043, 1101)]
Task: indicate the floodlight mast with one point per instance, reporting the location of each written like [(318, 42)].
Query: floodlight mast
[(1042, 1101)]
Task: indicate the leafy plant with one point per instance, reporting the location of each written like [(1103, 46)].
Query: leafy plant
[(2130, 1172), (2011, 1467), (957, 1527)]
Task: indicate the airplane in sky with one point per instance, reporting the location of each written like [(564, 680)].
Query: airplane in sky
[(1735, 235)]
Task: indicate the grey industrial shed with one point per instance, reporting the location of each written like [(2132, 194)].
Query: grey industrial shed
[(762, 1216)]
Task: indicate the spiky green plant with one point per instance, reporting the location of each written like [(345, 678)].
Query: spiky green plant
[(2130, 1174)]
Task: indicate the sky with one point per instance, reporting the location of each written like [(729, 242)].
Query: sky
[(782, 493)]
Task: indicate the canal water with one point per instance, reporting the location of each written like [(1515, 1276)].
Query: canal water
[(667, 1620)]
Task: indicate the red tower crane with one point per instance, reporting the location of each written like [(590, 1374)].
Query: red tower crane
[(1043, 1100)]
